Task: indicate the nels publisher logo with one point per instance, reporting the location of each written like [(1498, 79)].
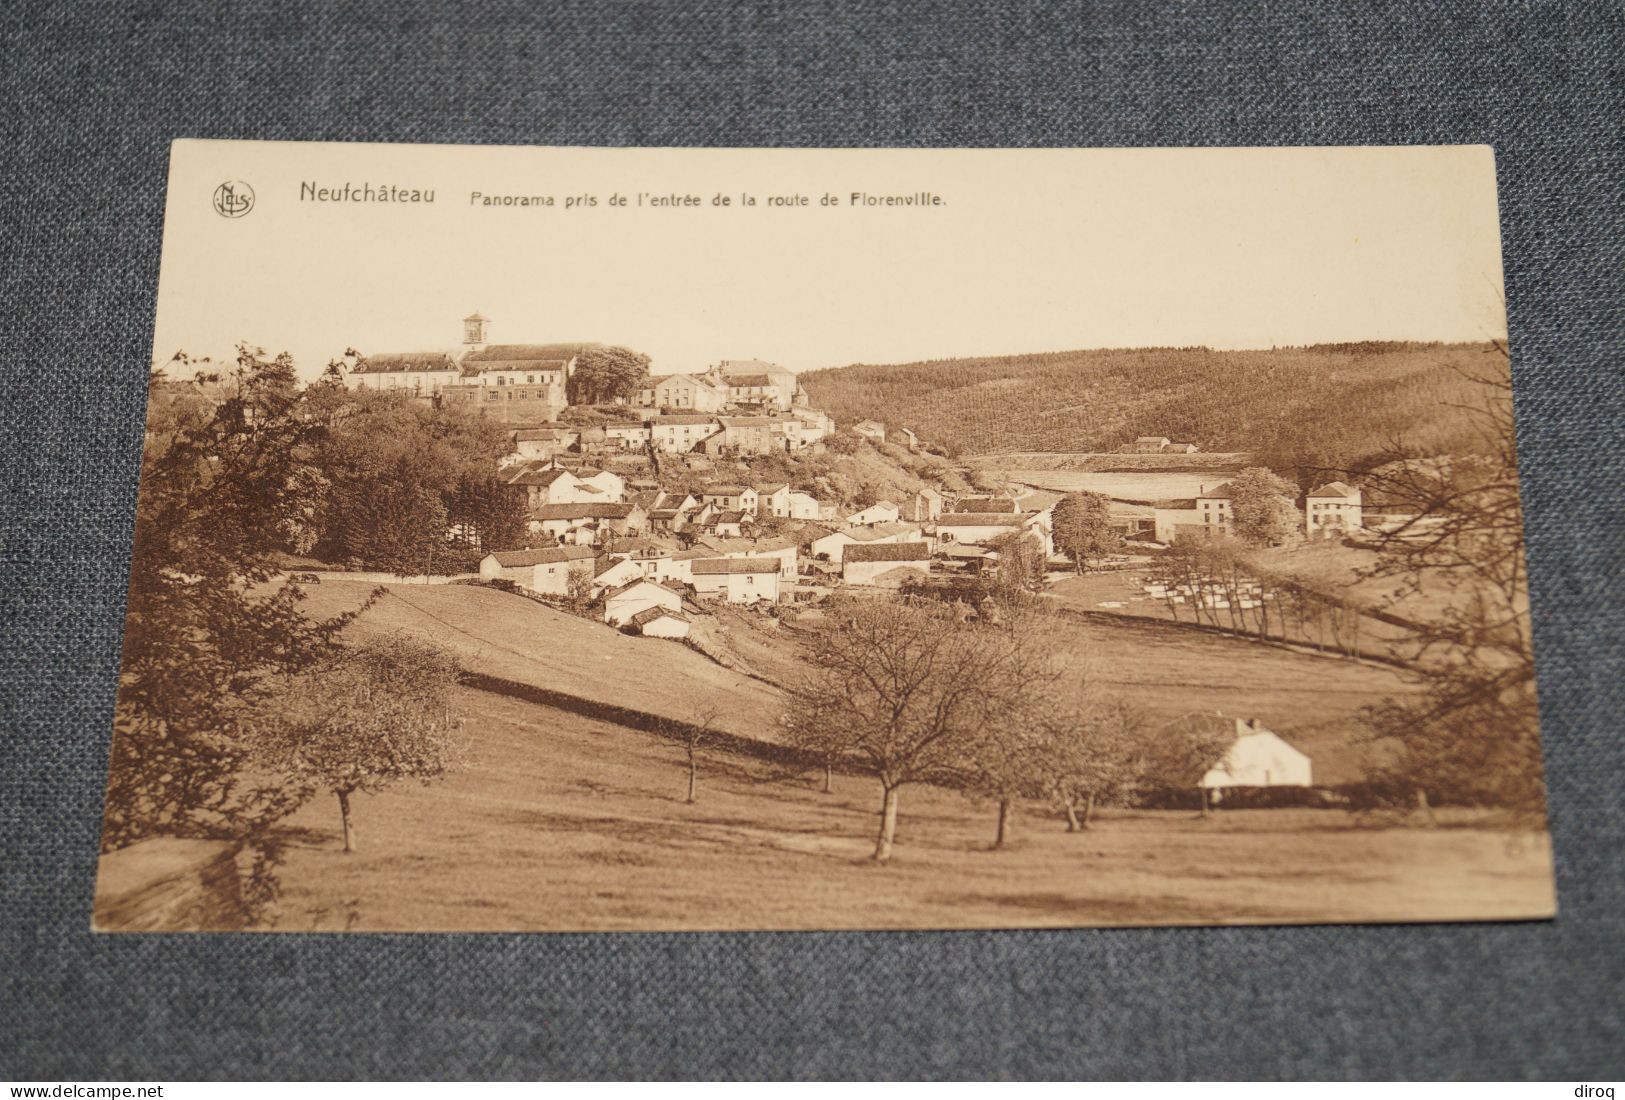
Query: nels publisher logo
[(233, 199)]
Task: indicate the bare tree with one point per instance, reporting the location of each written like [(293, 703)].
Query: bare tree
[(907, 689), (1090, 753), (1472, 734), (695, 735)]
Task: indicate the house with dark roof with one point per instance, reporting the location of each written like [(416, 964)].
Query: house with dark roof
[(584, 523), (885, 564), (736, 580), (833, 545), (755, 382), (548, 571), (424, 373), (661, 622)]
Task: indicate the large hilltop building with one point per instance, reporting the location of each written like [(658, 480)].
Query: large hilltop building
[(515, 383)]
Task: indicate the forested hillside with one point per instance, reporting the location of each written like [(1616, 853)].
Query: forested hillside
[(1333, 404)]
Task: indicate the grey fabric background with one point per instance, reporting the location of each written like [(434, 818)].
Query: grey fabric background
[(90, 96)]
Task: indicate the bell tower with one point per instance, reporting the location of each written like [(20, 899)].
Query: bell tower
[(476, 330)]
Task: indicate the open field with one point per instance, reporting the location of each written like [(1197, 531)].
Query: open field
[(1168, 670), (561, 823), (1313, 701), (519, 639)]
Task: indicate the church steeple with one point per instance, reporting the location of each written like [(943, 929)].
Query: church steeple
[(475, 329)]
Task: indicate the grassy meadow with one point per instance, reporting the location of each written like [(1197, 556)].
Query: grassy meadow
[(563, 823)]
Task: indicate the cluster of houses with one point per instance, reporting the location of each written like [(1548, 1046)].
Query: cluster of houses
[(636, 546), (1332, 510), (737, 407)]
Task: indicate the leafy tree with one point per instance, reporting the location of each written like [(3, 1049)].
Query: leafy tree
[(1262, 512), (603, 374), (413, 487), (1472, 733), (367, 718), (906, 690), (1021, 568), (1083, 528), (210, 630)]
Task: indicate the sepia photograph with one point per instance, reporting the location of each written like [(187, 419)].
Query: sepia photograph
[(563, 539)]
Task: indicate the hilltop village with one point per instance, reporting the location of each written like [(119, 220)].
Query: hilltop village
[(705, 487)]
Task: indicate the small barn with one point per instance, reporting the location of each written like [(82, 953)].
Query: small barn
[(659, 622)]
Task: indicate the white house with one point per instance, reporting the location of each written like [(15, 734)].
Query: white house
[(885, 564), (419, 372), (680, 432), (547, 571), (737, 580), (621, 604), (872, 430), (1333, 509), (1214, 507), (544, 485), (607, 482), (583, 522), (883, 511), (1253, 756), (773, 499), (799, 505), (628, 435)]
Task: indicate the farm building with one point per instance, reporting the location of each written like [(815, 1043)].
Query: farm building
[(981, 528), (621, 604), (1256, 757), (885, 564), (737, 580), (546, 571), (872, 430), (658, 622)]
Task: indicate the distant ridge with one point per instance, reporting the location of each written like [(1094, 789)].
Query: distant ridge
[(1334, 404)]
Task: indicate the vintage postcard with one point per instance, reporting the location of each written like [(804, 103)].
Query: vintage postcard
[(647, 539)]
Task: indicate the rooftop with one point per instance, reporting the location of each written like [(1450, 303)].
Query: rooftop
[(981, 519), (888, 551), (514, 559), (528, 353), (718, 566), (405, 361)]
